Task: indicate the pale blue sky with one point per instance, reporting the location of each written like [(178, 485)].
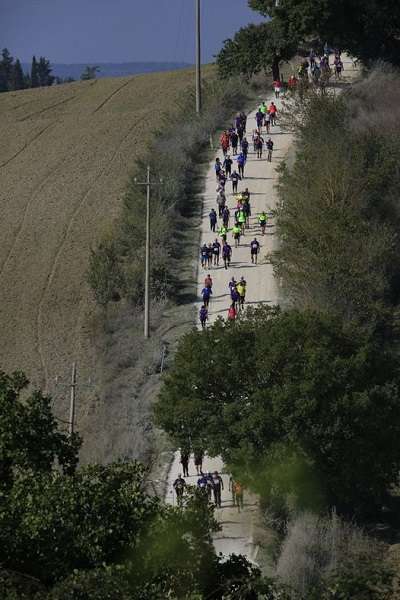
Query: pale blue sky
[(92, 31)]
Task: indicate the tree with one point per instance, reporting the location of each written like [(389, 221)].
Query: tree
[(34, 73), (29, 435), (17, 77), (369, 30), (6, 69), (44, 72), (256, 48), (302, 390), (89, 73), (52, 524)]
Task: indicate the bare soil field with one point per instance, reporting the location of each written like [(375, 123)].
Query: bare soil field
[(65, 156)]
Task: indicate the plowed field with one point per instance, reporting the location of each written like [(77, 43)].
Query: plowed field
[(65, 155)]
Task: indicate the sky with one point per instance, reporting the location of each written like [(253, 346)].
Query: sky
[(91, 31)]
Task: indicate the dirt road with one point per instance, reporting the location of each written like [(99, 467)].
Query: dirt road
[(240, 530)]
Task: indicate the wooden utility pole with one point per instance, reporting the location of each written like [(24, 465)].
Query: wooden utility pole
[(72, 400), (148, 185), (198, 57)]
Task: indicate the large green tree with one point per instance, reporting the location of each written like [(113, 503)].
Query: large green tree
[(29, 434), (255, 49), (368, 29), (289, 388)]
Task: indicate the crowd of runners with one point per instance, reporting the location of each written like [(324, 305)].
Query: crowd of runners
[(210, 484), (229, 224)]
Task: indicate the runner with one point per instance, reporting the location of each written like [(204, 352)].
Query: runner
[(226, 216), (185, 455), (216, 252), (273, 111), (236, 231), (235, 297), (221, 200), (259, 120), (179, 487), (224, 139), (267, 122), (208, 282), (206, 293), (338, 67), (218, 485), (217, 168), (204, 255), (292, 83), (237, 493), (203, 316), (232, 313), (270, 146), (254, 250), (241, 289), (241, 218), (243, 119), (241, 161), (213, 220), (228, 165), (240, 132), (277, 88), (245, 148), (234, 142), (226, 254), (198, 460), (232, 284), (202, 483), (247, 212), (235, 178), (262, 219), (223, 232), (259, 142)]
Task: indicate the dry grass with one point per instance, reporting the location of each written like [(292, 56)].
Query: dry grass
[(65, 156)]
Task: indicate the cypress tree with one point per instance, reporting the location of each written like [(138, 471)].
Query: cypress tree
[(6, 68), (44, 72), (34, 73), (17, 77)]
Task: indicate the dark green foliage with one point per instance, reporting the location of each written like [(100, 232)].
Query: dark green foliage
[(17, 77), (29, 435), (44, 72), (292, 392), (89, 73), (367, 29), (34, 73), (173, 156), (6, 70), (255, 49), (51, 524)]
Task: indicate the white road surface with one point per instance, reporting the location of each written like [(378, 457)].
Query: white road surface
[(239, 530)]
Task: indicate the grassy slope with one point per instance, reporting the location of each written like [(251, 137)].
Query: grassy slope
[(65, 154)]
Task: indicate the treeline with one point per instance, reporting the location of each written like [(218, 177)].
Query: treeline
[(117, 265), (13, 78)]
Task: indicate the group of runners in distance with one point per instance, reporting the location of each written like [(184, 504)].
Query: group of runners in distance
[(209, 484), (235, 220)]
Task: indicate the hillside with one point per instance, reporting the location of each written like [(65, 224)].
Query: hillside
[(65, 155)]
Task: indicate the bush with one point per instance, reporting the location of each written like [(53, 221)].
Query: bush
[(321, 550), (339, 213)]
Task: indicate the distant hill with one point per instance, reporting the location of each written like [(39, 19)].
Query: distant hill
[(112, 69)]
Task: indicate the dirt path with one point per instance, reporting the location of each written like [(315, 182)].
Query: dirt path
[(239, 530)]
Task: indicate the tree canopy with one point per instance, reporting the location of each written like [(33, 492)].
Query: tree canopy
[(289, 388)]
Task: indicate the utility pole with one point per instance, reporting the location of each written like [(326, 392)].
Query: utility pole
[(72, 401), (198, 57), (148, 185)]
